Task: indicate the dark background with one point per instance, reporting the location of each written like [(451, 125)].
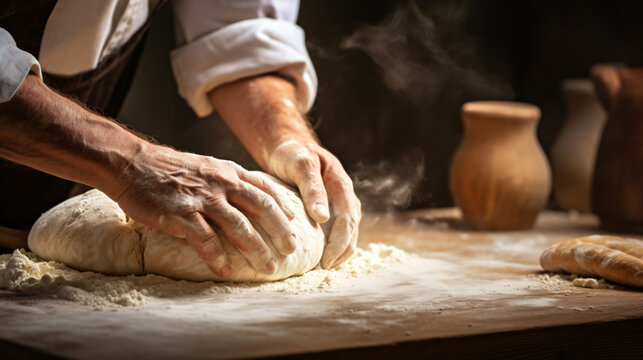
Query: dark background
[(393, 75)]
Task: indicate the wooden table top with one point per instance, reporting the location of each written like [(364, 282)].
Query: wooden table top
[(459, 284)]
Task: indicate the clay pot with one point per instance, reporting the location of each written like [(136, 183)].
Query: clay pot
[(573, 154), (618, 178), (499, 176)]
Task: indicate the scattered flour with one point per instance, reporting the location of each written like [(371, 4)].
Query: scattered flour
[(24, 272), (555, 282), (592, 283), (564, 281)]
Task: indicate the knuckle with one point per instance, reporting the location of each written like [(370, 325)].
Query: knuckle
[(335, 169), (240, 226), (314, 192), (231, 183), (230, 164), (259, 252), (264, 253), (246, 234), (199, 239), (242, 235), (225, 176), (268, 203), (183, 204), (236, 167), (307, 162), (339, 181), (211, 246), (350, 220), (222, 179), (213, 201), (203, 243), (261, 181)]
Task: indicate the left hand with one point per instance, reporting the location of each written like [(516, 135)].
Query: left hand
[(264, 113), (320, 177)]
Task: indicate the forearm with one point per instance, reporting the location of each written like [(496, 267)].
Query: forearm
[(262, 112), (44, 130)]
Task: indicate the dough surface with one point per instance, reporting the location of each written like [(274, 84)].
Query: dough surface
[(611, 257), (90, 232)]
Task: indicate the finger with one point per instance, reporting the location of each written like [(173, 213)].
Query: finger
[(243, 236), (264, 209), (268, 186), (202, 238), (347, 208), (339, 240), (349, 251), (312, 189)]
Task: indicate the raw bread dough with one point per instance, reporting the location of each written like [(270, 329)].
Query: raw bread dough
[(90, 232), (611, 257)]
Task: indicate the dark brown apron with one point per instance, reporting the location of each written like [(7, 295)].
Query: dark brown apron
[(26, 193)]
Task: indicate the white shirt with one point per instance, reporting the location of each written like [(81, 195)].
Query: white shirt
[(219, 41)]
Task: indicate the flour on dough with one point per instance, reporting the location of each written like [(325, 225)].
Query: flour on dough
[(90, 232)]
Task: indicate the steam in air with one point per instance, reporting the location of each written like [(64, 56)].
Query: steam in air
[(388, 185), (420, 53)]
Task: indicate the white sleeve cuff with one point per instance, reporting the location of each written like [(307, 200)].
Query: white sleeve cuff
[(243, 49), (15, 64)]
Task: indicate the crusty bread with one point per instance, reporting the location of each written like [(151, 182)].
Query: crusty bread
[(614, 258)]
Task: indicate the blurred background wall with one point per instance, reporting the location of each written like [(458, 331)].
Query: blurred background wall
[(393, 75)]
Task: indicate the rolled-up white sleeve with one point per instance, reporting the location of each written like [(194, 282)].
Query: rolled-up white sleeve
[(222, 41), (15, 64)]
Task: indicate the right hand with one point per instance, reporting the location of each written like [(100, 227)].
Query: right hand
[(186, 195)]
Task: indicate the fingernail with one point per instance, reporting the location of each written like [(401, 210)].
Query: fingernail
[(271, 266), (291, 242), (225, 271), (321, 211)]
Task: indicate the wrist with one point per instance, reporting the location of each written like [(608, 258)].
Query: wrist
[(114, 160), (263, 113)]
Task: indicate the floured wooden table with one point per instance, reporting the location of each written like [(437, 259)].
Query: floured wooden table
[(461, 293)]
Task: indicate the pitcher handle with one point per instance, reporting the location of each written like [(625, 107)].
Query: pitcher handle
[(607, 81)]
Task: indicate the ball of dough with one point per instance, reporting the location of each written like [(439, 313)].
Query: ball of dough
[(90, 232)]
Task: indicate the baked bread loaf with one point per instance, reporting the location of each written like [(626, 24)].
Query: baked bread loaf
[(614, 258)]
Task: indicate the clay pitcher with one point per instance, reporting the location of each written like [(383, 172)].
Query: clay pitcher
[(573, 154), (618, 179), (500, 177)]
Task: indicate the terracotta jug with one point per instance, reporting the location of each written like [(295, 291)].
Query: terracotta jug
[(499, 176), (573, 154), (618, 179)]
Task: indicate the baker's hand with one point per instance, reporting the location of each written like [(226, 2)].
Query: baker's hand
[(320, 176), (187, 195), (265, 113)]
